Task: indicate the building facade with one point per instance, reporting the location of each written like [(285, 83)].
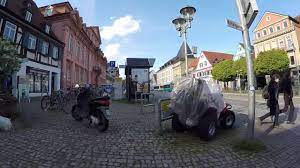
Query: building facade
[(83, 61), (22, 23), (205, 64), (278, 31), (173, 70)]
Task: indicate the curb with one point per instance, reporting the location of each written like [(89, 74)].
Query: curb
[(245, 94)]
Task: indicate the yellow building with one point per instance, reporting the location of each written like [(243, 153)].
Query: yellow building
[(174, 69), (278, 31)]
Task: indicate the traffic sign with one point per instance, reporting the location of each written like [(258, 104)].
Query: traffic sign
[(234, 25), (250, 10), (122, 66), (112, 63)]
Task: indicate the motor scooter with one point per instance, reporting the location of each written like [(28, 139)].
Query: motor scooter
[(93, 108)]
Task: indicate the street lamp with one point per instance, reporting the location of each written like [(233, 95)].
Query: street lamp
[(183, 23)]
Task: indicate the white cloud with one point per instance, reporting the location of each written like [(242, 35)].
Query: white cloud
[(112, 50), (112, 17), (121, 27)]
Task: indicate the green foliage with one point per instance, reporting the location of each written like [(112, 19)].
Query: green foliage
[(9, 57), (270, 62), (223, 71), (240, 66)]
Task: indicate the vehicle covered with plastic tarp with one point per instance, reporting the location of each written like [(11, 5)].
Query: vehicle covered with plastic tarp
[(191, 99)]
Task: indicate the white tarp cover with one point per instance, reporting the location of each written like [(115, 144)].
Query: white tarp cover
[(192, 97)]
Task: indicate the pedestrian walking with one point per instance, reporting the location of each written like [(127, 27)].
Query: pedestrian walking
[(288, 97), (272, 102)]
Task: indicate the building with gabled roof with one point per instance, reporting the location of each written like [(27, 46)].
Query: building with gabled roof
[(206, 61), (22, 23), (279, 31), (174, 69)]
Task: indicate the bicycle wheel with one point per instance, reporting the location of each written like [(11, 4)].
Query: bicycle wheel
[(45, 103)]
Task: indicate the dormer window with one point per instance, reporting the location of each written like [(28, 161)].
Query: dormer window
[(48, 11), (47, 29), (3, 2), (28, 16)]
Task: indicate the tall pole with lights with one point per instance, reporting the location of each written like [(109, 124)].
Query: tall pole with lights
[(183, 23)]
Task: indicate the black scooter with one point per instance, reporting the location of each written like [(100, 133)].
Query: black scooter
[(96, 110)]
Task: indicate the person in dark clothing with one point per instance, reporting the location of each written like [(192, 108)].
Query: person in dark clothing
[(273, 91), (288, 97)]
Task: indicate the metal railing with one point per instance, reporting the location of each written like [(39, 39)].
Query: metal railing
[(145, 97)]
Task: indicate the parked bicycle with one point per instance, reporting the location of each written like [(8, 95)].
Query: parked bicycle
[(56, 101)]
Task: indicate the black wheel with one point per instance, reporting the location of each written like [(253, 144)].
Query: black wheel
[(207, 127), (227, 120), (74, 112), (176, 125), (45, 103), (103, 122)]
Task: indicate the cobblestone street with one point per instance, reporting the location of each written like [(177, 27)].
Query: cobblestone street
[(53, 139)]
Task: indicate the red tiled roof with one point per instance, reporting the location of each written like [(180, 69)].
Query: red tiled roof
[(216, 57), (194, 63)]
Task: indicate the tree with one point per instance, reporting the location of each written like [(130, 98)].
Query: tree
[(240, 67), (223, 71), (9, 59), (270, 62)]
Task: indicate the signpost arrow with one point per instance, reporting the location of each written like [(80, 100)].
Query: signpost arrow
[(234, 25), (250, 10)]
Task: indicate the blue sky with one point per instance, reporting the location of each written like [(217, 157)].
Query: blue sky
[(143, 28)]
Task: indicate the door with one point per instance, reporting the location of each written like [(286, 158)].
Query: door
[(52, 82)]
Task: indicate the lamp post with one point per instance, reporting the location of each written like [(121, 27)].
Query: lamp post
[(183, 23)]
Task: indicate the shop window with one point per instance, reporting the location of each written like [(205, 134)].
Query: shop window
[(38, 81)]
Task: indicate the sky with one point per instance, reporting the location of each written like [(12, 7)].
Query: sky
[(144, 29)]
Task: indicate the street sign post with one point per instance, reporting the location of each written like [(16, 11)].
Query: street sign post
[(234, 25), (112, 63), (248, 11)]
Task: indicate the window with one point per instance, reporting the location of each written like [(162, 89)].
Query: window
[(28, 16), (70, 42), (258, 35), (48, 11), (271, 30), (201, 65), (55, 53), (278, 27), (38, 81), (45, 48), (281, 44), (265, 32), (205, 63), (290, 42), (78, 50), (2, 2), (292, 60), (268, 19), (47, 29), (31, 42), (9, 31), (285, 25)]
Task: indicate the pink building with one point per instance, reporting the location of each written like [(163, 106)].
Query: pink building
[(83, 61)]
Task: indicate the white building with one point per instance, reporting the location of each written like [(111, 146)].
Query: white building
[(165, 75), (241, 52), (205, 64)]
